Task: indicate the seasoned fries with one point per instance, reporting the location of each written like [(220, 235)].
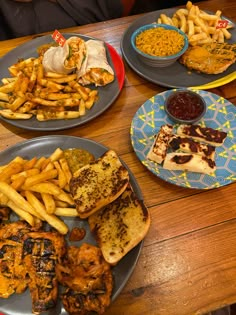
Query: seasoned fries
[(31, 92), (200, 26), (37, 189)]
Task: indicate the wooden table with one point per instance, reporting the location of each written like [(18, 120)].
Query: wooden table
[(188, 262)]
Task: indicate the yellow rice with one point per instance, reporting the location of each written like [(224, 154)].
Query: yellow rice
[(159, 42)]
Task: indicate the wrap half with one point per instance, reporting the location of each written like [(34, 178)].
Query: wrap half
[(96, 69), (65, 59)]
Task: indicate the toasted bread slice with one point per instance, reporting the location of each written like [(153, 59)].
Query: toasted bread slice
[(120, 226), (98, 183)]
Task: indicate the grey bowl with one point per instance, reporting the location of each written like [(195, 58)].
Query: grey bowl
[(156, 61)]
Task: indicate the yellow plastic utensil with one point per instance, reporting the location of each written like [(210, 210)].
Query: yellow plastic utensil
[(222, 81)]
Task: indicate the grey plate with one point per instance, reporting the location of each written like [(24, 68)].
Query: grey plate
[(21, 304), (107, 94), (176, 75)]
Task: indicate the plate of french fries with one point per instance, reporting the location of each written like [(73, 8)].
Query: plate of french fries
[(200, 26), (46, 154), (44, 110)]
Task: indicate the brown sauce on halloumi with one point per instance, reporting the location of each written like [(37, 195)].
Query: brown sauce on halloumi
[(206, 133), (182, 159), (178, 143)]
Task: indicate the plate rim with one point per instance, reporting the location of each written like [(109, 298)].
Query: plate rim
[(40, 126), (147, 77), (132, 128), (11, 151)]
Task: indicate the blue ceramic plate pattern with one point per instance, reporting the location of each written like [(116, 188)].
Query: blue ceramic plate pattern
[(220, 114)]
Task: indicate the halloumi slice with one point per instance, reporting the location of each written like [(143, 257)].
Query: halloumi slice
[(188, 145), (204, 134), (158, 151), (189, 162)]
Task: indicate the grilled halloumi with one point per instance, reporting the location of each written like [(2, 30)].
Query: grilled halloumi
[(159, 147), (205, 134), (189, 162), (188, 145)]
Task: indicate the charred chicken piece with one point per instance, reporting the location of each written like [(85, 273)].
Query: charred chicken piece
[(4, 214), (13, 277), (88, 280), (211, 58), (41, 253)]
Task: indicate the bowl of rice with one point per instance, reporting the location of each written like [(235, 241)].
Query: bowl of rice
[(159, 45)]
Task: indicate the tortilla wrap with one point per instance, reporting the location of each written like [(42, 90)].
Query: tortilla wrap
[(65, 59), (95, 69)]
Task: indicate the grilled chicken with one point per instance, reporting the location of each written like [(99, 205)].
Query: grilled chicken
[(211, 58), (88, 280), (42, 251), (12, 269)]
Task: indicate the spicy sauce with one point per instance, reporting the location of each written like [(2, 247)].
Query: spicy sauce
[(185, 105)]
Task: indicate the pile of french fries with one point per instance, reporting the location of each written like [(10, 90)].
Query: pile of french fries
[(200, 26), (37, 190), (30, 91)]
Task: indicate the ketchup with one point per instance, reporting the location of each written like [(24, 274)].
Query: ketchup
[(185, 105)]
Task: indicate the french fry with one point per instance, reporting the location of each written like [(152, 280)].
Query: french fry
[(65, 79), (37, 189), (9, 170), (17, 199), (66, 212), (18, 182), (7, 113), (4, 97), (39, 178), (49, 203), (21, 213), (200, 26), (44, 116), (56, 155), (25, 174), (8, 88), (45, 187), (65, 167), (53, 220), (62, 180)]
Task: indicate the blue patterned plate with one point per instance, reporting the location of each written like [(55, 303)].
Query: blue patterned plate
[(220, 114)]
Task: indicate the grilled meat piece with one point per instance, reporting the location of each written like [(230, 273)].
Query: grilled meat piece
[(12, 269), (210, 58), (4, 214), (87, 278), (41, 253)]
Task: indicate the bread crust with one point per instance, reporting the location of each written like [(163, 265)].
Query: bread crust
[(120, 226)]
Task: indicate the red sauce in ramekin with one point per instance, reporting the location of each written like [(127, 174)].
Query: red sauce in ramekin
[(185, 105)]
